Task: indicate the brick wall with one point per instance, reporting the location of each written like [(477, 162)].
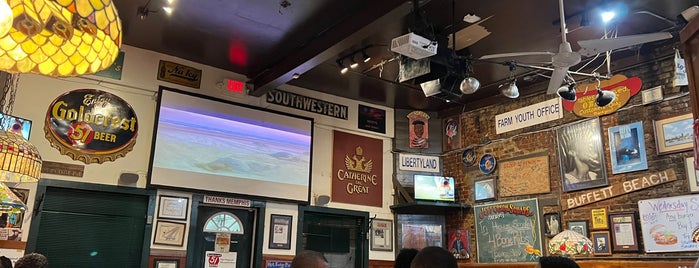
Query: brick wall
[(478, 127)]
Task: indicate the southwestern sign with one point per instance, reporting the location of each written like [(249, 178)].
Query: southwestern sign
[(415, 162), (308, 104), (528, 116)]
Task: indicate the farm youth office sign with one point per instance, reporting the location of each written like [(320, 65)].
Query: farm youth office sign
[(357, 167), (91, 126), (528, 116)]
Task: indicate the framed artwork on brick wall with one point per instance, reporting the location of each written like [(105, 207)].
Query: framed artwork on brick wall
[(674, 134), (582, 163)]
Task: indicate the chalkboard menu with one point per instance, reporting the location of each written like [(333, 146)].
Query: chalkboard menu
[(670, 224), (508, 232)]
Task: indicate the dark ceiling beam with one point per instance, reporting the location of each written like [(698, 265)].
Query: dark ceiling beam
[(347, 33)]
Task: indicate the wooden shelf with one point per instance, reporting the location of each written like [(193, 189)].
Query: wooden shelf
[(13, 244)]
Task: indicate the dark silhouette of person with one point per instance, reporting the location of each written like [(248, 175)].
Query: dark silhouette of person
[(405, 257), (309, 259), (5, 262), (556, 262), (32, 260), (434, 257)]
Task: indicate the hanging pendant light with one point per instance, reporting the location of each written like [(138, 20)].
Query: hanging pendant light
[(567, 92), (510, 90), (604, 97), (469, 85)]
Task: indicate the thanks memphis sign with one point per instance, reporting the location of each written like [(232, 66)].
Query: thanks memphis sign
[(585, 198), (528, 116), (415, 162), (585, 105)]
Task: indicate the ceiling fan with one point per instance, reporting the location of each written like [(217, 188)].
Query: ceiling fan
[(566, 57)]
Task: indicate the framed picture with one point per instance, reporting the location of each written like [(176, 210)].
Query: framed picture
[(692, 176), (627, 148), (169, 233), (582, 163), (600, 241), (674, 134), (623, 229), (167, 263), (485, 190), (173, 207), (382, 235), (280, 232), (579, 226), (15, 220), (459, 245), (599, 218), (552, 224)]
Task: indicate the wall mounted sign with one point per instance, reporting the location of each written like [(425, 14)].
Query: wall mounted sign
[(227, 201), (487, 163), (508, 232), (114, 71), (308, 104), (64, 169), (357, 166), (585, 106), (528, 116), (579, 199), (91, 126), (670, 224), (418, 124), (179, 74), (468, 157), (524, 175), (413, 162), (452, 137), (372, 119)]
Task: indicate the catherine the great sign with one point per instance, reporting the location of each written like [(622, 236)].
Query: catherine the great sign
[(357, 170), (91, 126)]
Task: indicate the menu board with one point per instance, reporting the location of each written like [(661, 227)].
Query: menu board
[(508, 232), (670, 224)]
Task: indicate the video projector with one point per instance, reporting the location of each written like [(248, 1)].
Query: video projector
[(414, 46)]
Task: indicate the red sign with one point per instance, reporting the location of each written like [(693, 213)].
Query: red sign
[(357, 170), (585, 105)]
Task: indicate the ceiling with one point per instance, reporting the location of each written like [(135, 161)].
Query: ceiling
[(269, 41)]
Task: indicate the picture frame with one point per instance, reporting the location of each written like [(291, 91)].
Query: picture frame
[(459, 244), (166, 263), (382, 235), (485, 189), (599, 218), (552, 224), (601, 242), (580, 226), (674, 134), (572, 152), (627, 148), (169, 233), (173, 207), (18, 219), (623, 232), (280, 231), (692, 175)]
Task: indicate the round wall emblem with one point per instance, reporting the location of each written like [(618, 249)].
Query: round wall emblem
[(468, 157), (487, 163)]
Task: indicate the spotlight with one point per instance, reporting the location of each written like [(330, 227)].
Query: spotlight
[(343, 68), (354, 64), (142, 12), (365, 56), (607, 16), (604, 98), (469, 85), (510, 90), (167, 10), (567, 92)]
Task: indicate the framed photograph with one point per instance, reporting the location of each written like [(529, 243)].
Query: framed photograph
[(173, 207), (674, 134), (382, 235), (623, 229), (552, 224), (600, 241), (169, 233), (485, 190), (579, 226), (582, 163), (280, 231), (459, 245), (692, 176), (627, 148), (166, 263), (599, 218)]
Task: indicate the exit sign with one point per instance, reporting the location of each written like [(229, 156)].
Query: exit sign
[(235, 85)]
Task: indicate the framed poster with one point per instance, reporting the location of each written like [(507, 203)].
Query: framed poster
[(524, 175), (167, 263), (600, 241), (418, 236), (512, 220), (382, 235), (459, 244), (579, 226), (627, 148), (623, 229), (173, 207), (552, 224), (670, 224), (674, 134), (692, 177), (280, 231), (599, 218), (485, 190), (582, 163), (451, 139), (169, 233)]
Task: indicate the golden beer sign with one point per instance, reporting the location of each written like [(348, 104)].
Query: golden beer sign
[(91, 126), (585, 105), (179, 74)]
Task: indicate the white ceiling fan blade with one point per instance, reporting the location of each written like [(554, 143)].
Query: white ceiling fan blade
[(557, 77), (596, 46), (515, 54)]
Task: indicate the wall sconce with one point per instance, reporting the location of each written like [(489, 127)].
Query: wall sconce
[(567, 92)]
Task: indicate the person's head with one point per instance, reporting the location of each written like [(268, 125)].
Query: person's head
[(32, 260), (309, 259), (556, 262), (419, 128), (458, 234), (404, 258), (5, 262), (436, 257)]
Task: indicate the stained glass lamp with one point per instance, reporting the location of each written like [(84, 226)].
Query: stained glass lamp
[(569, 243), (58, 37)]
